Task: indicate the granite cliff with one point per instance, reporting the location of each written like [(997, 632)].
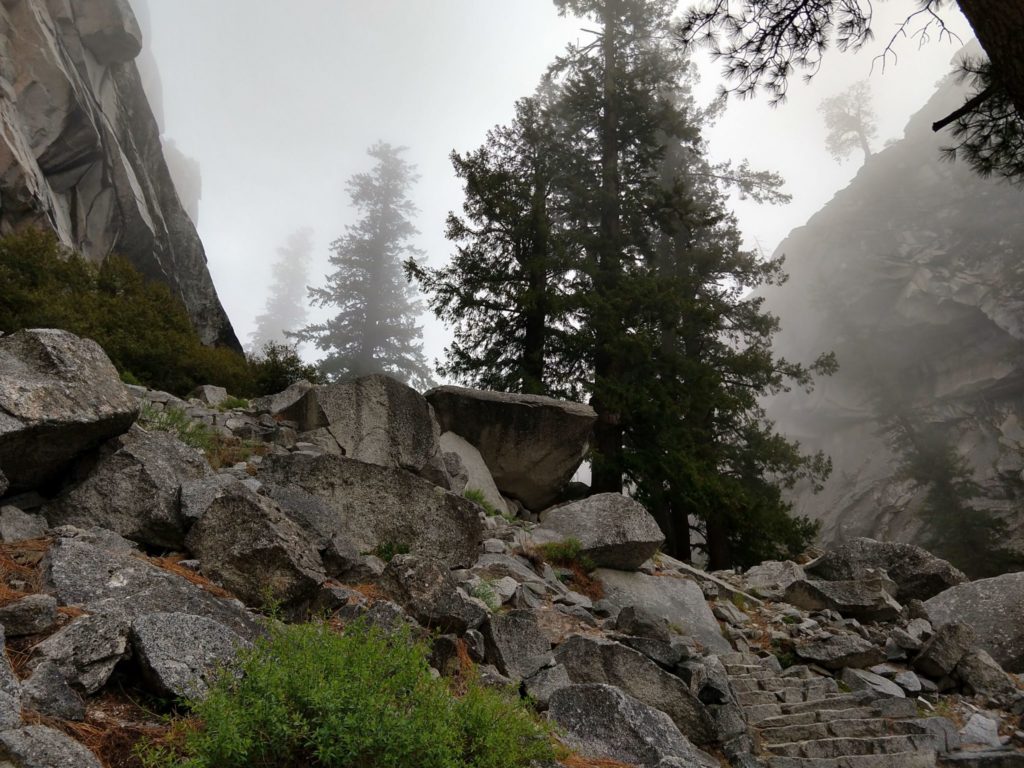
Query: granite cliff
[(80, 149), (914, 276)]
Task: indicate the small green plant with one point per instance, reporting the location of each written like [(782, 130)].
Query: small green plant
[(386, 550), (791, 620), (739, 601), (567, 553), (477, 497), (176, 421), (485, 591), (233, 402), (308, 695)]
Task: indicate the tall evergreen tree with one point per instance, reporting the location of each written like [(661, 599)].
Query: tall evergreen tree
[(285, 309), (850, 121), (375, 329)]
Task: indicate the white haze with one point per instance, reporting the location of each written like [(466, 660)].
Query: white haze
[(279, 99)]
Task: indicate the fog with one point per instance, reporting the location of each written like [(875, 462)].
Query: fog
[(278, 102)]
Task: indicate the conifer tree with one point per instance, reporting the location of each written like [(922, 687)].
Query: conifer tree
[(850, 121), (285, 309), (374, 330)]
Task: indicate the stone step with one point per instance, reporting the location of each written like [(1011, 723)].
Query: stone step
[(752, 683), (748, 670), (923, 759), (988, 758), (841, 728), (886, 706), (752, 698), (761, 712), (850, 746), (818, 716), (738, 658)]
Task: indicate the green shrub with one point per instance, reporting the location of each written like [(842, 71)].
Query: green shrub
[(388, 549), (233, 402), (308, 696), (177, 422), (477, 497), (568, 553), (275, 367), (484, 591)]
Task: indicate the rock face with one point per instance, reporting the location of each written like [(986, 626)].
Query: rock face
[(376, 506), (531, 444), (135, 491), (910, 275), (994, 609), (59, 396), (613, 530), (80, 152)]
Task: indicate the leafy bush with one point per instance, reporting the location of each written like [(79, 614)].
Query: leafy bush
[(275, 367), (477, 497), (233, 402), (484, 591), (566, 553), (388, 549), (176, 421), (307, 695)]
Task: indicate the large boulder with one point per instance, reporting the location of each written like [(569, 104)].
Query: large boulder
[(477, 475), (531, 444), (770, 579), (866, 600), (374, 506), (515, 643), (135, 489), (603, 722), (247, 544), (109, 30), (87, 650), (918, 573), (840, 651), (180, 654), (676, 599), (614, 530), (598, 660), (944, 649), (994, 609), (38, 746), (59, 396)]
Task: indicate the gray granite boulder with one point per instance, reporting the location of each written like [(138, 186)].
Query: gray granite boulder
[(614, 531), (426, 590), (597, 660), (994, 609), (865, 600), (515, 644), (16, 525), (374, 506), (38, 746), (944, 649), (47, 691), (87, 650), (604, 722), (864, 680), (674, 598), (59, 396), (29, 615), (770, 579), (247, 544), (839, 651), (531, 444), (179, 653), (135, 489), (477, 475), (918, 573)]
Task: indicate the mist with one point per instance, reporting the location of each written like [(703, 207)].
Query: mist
[(278, 102)]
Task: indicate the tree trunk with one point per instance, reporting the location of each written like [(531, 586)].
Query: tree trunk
[(999, 26), (719, 553), (536, 305), (607, 466), (864, 146)]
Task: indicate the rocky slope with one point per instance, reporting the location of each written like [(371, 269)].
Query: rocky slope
[(143, 568), (80, 151), (914, 276)]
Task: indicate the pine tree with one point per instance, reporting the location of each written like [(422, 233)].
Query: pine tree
[(850, 121), (285, 309), (375, 329)]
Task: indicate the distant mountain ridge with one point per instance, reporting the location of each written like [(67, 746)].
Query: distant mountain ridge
[(80, 150), (914, 275)]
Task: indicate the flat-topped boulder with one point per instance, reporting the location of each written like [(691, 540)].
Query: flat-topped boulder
[(374, 507), (613, 530), (531, 444), (59, 396)]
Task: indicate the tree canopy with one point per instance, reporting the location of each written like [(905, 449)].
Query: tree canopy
[(850, 121)]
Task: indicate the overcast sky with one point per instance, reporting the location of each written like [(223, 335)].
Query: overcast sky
[(279, 99)]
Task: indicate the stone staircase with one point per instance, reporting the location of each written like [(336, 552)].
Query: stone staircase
[(805, 721)]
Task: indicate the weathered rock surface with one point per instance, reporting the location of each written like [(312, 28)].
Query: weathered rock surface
[(179, 653), (16, 525), (81, 152), (477, 475), (918, 573), (994, 609), (46, 691), (425, 588), (771, 579), (943, 651), (375, 506), (614, 531), (677, 600), (602, 721), (87, 650), (838, 651), (135, 490), (29, 615), (59, 396), (247, 544), (37, 746), (531, 444), (866, 600), (596, 660), (864, 680), (515, 643)]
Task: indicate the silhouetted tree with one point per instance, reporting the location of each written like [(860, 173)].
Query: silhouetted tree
[(285, 309), (850, 121), (764, 42), (375, 329)]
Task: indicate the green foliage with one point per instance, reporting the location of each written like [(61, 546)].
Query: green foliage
[(306, 695), (374, 329), (477, 497), (568, 552), (388, 549), (485, 591), (176, 421), (232, 402), (275, 367)]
